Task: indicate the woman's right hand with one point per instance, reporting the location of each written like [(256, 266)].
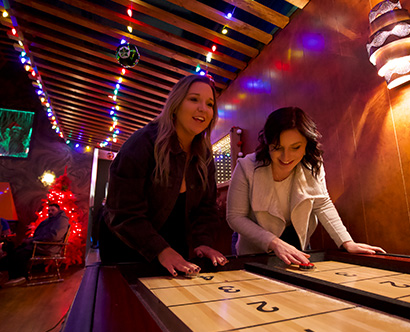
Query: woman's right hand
[(288, 253), (174, 262)]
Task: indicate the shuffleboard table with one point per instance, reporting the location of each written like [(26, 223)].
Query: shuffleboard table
[(252, 293)]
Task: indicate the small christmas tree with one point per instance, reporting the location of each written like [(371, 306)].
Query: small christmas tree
[(61, 194)]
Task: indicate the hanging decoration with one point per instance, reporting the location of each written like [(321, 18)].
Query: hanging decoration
[(127, 55)]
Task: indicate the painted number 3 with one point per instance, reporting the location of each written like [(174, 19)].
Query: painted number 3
[(261, 306)]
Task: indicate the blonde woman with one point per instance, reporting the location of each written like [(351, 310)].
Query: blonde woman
[(162, 194)]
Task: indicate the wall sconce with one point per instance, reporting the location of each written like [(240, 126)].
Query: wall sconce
[(389, 42)]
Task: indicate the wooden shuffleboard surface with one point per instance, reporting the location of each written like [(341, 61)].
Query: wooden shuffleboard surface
[(380, 289), (244, 301), (394, 285)]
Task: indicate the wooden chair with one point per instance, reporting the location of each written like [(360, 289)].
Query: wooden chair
[(53, 262)]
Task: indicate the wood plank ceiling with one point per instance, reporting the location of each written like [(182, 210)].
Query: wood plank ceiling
[(71, 45)]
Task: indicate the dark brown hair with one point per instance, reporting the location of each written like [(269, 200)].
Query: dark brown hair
[(290, 118)]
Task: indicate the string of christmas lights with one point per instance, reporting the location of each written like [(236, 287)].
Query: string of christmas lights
[(27, 62), (114, 126)]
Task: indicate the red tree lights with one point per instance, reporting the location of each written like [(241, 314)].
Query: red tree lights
[(61, 194)]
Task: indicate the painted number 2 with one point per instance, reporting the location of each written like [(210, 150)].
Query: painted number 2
[(394, 284), (261, 306)]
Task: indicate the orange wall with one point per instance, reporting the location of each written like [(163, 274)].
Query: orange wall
[(319, 63)]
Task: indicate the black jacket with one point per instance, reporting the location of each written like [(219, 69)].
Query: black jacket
[(137, 207)]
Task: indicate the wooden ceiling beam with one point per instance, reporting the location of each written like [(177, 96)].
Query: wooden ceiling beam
[(95, 81), (91, 89), (91, 101), (219, 17), (128, 105), (79, 128), (89, 131), (95, 72), (97, 128), (122, 114), (192, 27), (92, 121), (91, 140), (298, 3), (261, 11), (99, 118), (80, 118)]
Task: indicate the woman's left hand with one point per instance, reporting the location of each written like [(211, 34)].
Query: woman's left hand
[(215, 256), (361, 248)]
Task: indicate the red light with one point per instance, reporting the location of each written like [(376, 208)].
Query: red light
[(122, 71), (213, 48), (33, 73), (14, 31), (129, 12)]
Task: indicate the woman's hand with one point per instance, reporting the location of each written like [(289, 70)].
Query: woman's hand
[(288, 253), (361, 248), (174, 262), (215, 256)]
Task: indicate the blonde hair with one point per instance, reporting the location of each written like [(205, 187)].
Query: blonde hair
[(201, 145)]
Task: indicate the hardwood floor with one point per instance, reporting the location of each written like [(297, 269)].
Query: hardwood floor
[(40, 308)]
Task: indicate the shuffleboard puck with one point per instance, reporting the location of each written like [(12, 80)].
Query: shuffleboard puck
[(308, 266)]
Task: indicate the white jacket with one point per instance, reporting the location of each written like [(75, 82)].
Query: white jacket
[(253, 207)]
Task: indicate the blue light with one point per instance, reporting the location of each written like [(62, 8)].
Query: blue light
[(112, 112), (202, 73), (123, 41), (228, 16), (257, 85), (77, 145), (313, 41), (117, 86), (23, 60)]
